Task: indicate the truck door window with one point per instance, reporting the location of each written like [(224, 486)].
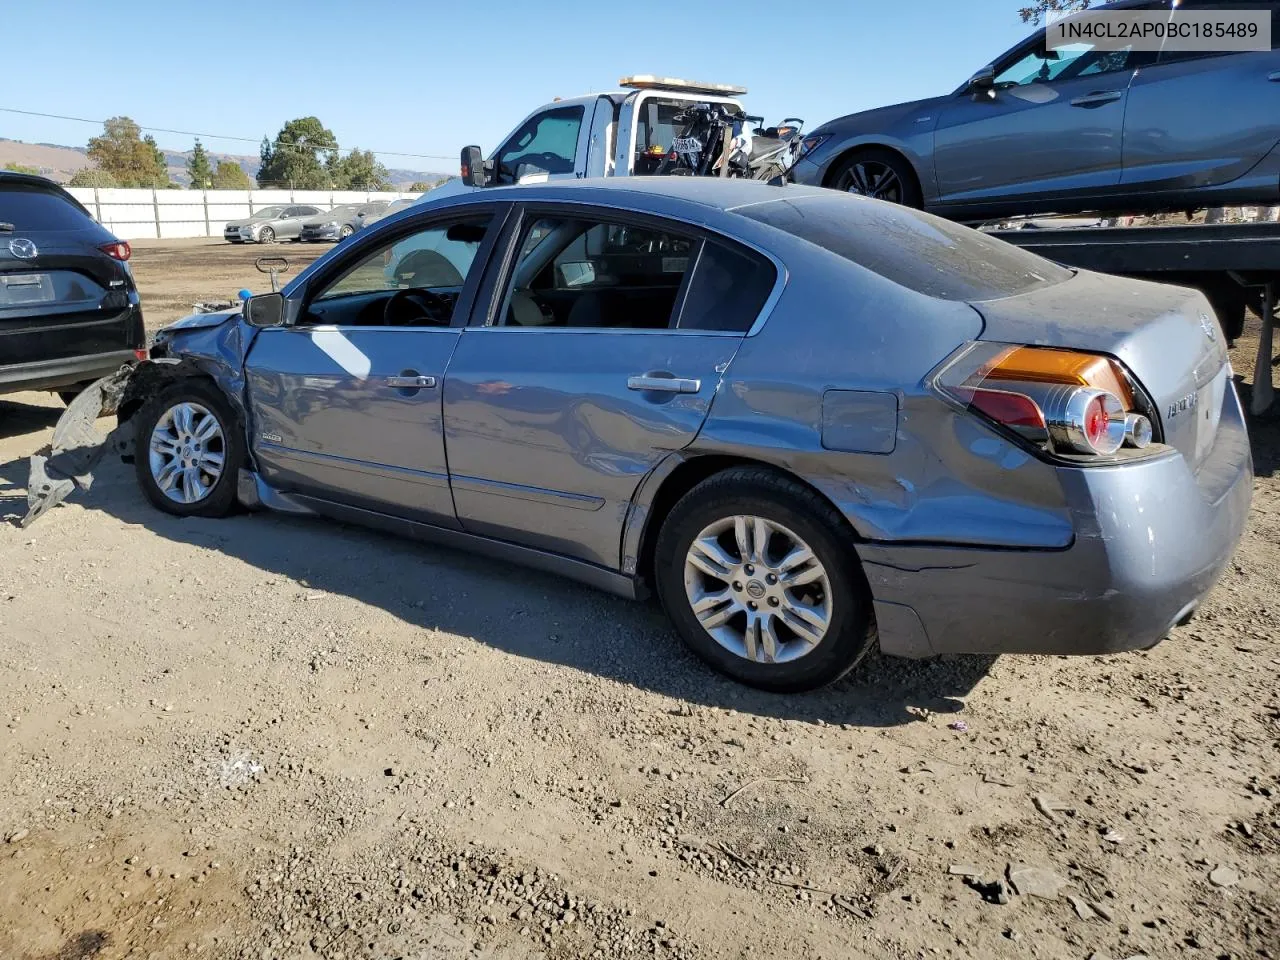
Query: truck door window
[(547, 143)]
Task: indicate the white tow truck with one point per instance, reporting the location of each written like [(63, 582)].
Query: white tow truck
[(624, 132)]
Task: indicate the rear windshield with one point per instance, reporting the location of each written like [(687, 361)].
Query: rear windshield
[(32, 208), (913, 249)]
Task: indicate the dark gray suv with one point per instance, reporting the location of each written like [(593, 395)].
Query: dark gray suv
[(1074, 129)]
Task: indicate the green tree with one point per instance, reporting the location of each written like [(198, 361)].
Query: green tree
[(132, 160), (1038, 12), (93, 177), (199, 168), (22, 168), (299, 157), (422, 186), (230, 176), (358, 170)]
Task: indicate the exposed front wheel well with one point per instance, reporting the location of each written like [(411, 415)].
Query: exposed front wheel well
[(148, 380), (683, 479)]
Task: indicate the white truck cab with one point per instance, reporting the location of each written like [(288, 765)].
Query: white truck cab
[(620, 133)]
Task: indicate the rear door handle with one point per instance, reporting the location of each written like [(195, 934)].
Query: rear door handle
[(664, 384), (413, 382), (1097, 99)]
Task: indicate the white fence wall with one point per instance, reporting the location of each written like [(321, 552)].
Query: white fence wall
[(167, 214)]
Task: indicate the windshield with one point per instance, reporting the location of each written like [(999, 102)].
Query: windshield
[(913, 249), (269, 211)]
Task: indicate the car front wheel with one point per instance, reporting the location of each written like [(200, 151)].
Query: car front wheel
[(879, 174), (267, 235), (759, 576), (189, 450)]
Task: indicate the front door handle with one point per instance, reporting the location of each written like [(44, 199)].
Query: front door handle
[(411, 382), (664, 384), (1097, 99), (1274, 77)]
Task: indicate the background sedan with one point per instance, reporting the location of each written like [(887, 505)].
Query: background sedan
[(341, 222), (1072, 129), (276, 222)]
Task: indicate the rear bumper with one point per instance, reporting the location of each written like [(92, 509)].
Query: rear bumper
[(1151, 539), (66, 372)]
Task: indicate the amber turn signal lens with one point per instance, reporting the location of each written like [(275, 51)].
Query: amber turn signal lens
[(1067, 367)]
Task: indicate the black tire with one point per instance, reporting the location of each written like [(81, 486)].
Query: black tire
[(762, 492), (267, 235), (345, 232), (846, 175), (66, 396), (220, 501)]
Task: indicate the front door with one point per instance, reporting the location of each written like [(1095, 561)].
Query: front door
[(346, 401), (1052, 126), (605, 348)]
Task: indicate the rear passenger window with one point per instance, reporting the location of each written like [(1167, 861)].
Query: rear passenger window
[(728, 289), (584, 272)]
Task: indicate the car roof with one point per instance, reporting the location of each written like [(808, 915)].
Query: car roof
[(720, 193)]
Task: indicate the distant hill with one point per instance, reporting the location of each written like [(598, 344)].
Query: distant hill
[(61, 163)]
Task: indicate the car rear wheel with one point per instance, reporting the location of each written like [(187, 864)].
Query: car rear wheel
[(880, 174), (758, 576), (267, 235), (189, 450), (345, 232)]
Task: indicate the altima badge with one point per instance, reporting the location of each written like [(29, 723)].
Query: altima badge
[(1183, 404), (23, 249), (1207, 324)]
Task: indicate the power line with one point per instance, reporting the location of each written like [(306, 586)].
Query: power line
[(217, 136)]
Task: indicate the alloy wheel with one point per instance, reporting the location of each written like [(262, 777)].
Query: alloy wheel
[(187, 452), (758, 589), (871, 178)]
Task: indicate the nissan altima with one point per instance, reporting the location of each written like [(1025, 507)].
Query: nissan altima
[(809, 421)]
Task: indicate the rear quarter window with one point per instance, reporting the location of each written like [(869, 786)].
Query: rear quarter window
[(31, 208), (916, 250)]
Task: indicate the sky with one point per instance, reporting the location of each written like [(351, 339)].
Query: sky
[(427, 78)]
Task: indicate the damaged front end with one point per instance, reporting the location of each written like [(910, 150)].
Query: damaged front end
[(205, 344)]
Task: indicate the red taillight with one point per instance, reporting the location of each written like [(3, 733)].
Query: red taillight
[(141, 353), (1011, 409), (1061, 401), (119, 250)]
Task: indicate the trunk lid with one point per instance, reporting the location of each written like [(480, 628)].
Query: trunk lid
[(1167, 336)]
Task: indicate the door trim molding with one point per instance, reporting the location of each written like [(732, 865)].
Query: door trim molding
[(425, 477), (519, 491)]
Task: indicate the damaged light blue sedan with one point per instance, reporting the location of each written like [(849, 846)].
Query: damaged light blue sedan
[(810, 421)]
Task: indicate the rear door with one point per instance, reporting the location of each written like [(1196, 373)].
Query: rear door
[(346, 401), (60, 296), (1199, 119), (606, 345)]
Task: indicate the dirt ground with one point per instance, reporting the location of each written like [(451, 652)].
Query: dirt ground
[(268, 737)]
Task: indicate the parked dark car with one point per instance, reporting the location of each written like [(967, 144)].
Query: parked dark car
[(341, 222), (69, 310), (809, 420), (1078, 128)]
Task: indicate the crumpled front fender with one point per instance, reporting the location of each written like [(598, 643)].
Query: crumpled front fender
[(77, 446)]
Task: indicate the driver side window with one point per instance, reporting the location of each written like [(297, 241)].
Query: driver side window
[(547, 143), (414, 280), (1064, 63)]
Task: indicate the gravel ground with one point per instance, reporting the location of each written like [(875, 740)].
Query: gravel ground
[(274, 738)]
